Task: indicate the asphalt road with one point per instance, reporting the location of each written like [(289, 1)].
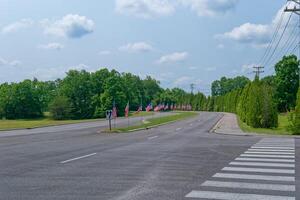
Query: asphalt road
[(181, 160)]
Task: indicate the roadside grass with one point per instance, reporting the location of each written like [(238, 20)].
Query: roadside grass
[(35, 123), (280, 130), (48, 121), (157, 121)]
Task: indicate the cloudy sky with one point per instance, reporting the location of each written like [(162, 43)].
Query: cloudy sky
[(177, 41)]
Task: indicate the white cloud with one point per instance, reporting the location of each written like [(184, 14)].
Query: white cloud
[(79, 67), (249, 33), (13, 63), (16, 26), (173, 57), (52, 46), (183, 80), (258, 35), (210, 7), (104, 52), (136, 47), (72, 26), (144, 8)]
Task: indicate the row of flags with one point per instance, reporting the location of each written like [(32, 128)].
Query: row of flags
[(149, 107)]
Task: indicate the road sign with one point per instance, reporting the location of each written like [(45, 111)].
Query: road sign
[(109, 114), (109, 117)]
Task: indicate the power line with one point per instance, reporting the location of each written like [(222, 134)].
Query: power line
[(282, 34)]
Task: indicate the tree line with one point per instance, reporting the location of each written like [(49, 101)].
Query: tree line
[(85, 95), (258, 102)]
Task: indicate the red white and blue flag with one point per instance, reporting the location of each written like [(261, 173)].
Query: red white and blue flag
[(114, 110), (149, 107), (127, 110)]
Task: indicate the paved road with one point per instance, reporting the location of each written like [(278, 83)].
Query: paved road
[(176, 161)]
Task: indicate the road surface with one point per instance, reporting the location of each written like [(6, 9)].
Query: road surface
[(181, 160)]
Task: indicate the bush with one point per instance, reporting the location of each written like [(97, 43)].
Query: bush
[(60, 108), (294, 116)]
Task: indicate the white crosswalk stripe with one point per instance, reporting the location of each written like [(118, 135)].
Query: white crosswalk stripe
[(262, 164), (271, 161)]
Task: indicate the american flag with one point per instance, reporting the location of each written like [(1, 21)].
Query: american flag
[(127, 110), (149, 107), (114, 110)]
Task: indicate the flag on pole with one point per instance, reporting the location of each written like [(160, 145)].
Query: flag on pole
[(149, 107), (140, 108), (157, 108), (127, 110), (114, 110), (166, 107)]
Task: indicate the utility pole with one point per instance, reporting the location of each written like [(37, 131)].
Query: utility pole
[(192, 87), (258, 70), (296, 10)]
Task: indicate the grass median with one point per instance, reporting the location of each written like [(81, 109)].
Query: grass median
[(157, 121), (280, 130), (48, 121)]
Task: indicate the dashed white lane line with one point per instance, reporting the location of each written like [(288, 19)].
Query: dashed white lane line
[(151, 138), (261, 170), (262, 164), (234, 196), (77, 158), (255, 177), (265, 156), (267, 160), (191, 124), (178, 129), (257, 186)]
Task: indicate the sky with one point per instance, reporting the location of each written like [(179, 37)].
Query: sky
[(178, 42)]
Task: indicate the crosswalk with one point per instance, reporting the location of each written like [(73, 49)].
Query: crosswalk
[(266, 171)]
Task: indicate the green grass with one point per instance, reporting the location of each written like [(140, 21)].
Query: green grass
[(280, 130), (35, 123), (158, 121), (48, 121)]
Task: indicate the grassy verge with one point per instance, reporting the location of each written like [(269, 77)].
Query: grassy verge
[(280, 130), (35, 123), (48, 121), (158, 121)]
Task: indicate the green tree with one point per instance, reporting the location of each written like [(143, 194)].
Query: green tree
[(294, 117), (287, 81), (60, 108)]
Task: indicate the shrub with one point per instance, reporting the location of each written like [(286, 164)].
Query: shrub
[(60, 108), (294, 116)]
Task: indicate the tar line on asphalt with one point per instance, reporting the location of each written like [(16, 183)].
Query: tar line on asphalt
[(77, 158)]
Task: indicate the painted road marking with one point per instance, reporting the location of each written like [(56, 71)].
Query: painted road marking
[(234, 196), (255, 177), (266, 160), (265, 156), (261, 170), (274, 153), (77, 158), (257, 186), (178, 129), (262, 164), (151, 138), (271, 150), (270, 147)]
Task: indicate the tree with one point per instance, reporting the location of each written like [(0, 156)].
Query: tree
[(60, 108), (77, 87), (226, 85), (287, 81), (294, 117)]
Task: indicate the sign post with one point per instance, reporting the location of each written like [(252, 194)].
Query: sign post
[(108, 117)]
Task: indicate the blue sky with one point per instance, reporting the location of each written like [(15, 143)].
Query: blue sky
[(177, 41)]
